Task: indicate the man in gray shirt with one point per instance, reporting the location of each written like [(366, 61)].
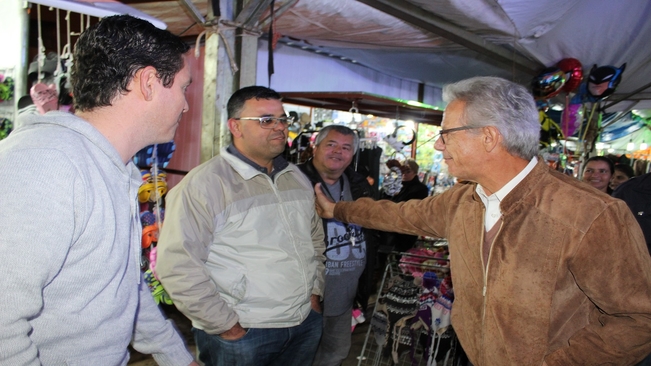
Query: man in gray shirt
[(346, 244)]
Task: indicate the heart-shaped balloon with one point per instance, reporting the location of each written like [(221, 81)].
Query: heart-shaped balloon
[(573, 73)]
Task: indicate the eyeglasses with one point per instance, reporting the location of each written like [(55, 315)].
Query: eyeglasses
[(268, 123), (443, 132)]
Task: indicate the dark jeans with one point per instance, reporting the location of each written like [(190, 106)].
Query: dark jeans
[(645, 362), (263, 346)]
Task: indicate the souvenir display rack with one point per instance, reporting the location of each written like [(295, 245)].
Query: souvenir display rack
[(410, 320)]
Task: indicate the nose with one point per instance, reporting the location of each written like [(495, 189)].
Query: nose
[(186, 107), (279, 126), (439, 145)]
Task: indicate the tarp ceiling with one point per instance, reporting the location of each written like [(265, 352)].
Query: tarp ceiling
[(536, 33), (440, 41)]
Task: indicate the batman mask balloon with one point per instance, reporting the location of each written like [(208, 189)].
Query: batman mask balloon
[(603, 81)]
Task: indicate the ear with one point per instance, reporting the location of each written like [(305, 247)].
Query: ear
[(147, 78), (235, 126), (491, 138)]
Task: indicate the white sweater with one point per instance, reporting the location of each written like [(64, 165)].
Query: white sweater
[(69, 252)]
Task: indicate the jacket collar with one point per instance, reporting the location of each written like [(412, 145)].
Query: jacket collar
[(248, 171), (525, 187)]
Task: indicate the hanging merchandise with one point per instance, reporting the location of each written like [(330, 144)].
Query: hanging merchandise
[(398, 146), (64, 66), (410, 324), (573, 73), (392, 182), (6, 106), (550, 131), (6, 126), (571, 118), (151, 160), (45, 97), (6, 88), (572, 113), (548, 83), (160, 153), (603, 81)]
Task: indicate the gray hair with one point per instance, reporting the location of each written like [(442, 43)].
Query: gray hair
[(493, 101), (340, 129)]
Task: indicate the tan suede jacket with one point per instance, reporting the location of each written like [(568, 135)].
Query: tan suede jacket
[(568, 279)]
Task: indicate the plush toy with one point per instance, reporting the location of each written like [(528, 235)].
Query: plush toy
[(152, 190), (157, 290), (149, 235)]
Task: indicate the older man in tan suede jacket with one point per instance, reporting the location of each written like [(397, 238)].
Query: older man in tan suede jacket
[(546, 270)]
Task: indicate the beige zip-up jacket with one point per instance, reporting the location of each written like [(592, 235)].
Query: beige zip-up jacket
[(239, 246), (568, 279)]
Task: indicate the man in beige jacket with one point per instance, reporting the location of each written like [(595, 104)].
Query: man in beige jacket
[(241, 251)]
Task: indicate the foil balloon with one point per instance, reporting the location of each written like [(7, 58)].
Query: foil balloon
[(603, 81), (573, 73), (571, 119), (548, 83)]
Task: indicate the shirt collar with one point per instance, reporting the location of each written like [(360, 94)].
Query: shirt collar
[(508, 187)]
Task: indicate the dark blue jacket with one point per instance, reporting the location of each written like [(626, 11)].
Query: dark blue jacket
[(636, 192)]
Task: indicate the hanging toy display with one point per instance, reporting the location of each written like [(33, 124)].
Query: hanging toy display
[(6, 126), (573, 112), (6, 88), (602, 81), (573, 73), (550, 131), (548, 83), (151, 160), (392, 140), (392, 182), (45, 97)]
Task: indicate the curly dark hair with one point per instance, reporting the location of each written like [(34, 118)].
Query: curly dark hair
[(237, 100), (109, 53)]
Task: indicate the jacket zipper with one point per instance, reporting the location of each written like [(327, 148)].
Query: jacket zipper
[(272, 182), (486, 265)]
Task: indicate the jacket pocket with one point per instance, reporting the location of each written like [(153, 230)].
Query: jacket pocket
[(238, 290)]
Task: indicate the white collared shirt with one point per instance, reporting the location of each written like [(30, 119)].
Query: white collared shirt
[(492, 202)]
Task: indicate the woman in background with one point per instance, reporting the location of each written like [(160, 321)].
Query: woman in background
[(597, 173), (622, 173)]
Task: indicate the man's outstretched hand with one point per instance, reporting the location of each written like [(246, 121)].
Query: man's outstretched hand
[(324, 207)]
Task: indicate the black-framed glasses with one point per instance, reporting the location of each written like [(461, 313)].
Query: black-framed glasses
[(462, 128), (268, 122)]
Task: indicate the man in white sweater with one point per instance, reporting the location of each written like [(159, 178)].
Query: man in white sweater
[(72, 291)]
